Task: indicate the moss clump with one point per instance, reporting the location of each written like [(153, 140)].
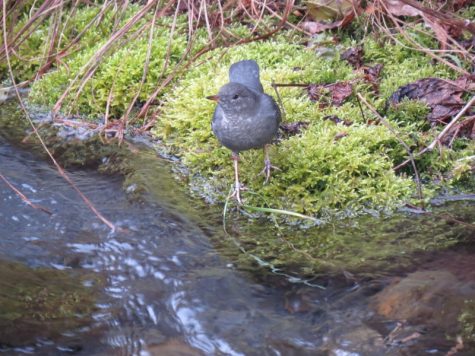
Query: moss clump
[(467, 322), (32, 52), (326, 168), (363, 245), (119, 74), (319, 171)]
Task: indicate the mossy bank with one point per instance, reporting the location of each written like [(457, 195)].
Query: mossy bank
[(361, 245), (327, 169)]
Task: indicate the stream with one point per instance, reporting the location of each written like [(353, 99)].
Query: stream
[(161, 287)]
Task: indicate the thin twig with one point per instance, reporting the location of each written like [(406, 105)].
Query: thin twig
[(93, 62), (441, 134), (281, 104), (145, 68), (452, 123), (208, 48), (291, 85), (24, 198), (22, 105)]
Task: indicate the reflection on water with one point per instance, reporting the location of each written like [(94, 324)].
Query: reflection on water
[(166, 290)]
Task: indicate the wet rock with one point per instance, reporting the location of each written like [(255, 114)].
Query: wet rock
[(302, 300), (173, 347), (361, 340), (40, 303), (433, 298)]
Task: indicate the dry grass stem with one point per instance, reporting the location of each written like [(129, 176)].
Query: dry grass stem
[(23, 197)]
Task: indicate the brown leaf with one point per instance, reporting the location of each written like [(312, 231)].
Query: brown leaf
[(329, 10), (340, 135), (440, 31), (354, 56), (337, 120), (330, 94), (465, 128), (443, 17), (398, 8), (316, 27), (442, 23), (442, 96), (293, 128), (371, 75)]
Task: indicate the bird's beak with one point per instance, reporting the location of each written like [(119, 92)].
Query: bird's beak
[(213, 97)]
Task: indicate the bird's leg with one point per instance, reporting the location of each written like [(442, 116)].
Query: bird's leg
[(267, 165), (237, 185)]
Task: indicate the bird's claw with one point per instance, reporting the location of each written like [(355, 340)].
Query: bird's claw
[(267, 169), (236, 193)]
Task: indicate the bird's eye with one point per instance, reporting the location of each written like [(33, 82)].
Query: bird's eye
[(235, 97)]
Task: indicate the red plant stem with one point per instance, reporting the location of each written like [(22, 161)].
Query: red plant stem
[(22, 105), (23, 196)]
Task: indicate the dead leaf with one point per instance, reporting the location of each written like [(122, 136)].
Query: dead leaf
[(337, 120), (316, 27), (371, 75), (340, 135), (440, 31), (341, 11), (328, 10), (466, 128), (354, 56), (398, 8), (330, 94), (293, 128), (442, 96), (443, 24)]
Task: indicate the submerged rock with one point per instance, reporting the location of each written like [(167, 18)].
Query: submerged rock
[(428, 297), (40, 303)]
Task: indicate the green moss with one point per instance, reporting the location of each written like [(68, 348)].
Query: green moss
[(467, 322), (319, 172), (119, 73), (363, 245), (30, 55), (327, 168)]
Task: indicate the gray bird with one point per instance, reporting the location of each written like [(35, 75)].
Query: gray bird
[(245, 116)]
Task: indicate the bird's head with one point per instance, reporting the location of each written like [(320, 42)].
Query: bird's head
[(235, 98)]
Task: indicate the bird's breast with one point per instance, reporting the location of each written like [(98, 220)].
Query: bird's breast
[(241, 131)]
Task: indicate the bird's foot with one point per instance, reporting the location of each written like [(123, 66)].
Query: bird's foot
[(236, 193), (267, 169)]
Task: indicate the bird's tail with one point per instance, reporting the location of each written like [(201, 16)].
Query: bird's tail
[(247, 73)]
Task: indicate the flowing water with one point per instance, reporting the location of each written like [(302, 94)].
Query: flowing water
[(159, 285)]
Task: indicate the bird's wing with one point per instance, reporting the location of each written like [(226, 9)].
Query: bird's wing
[(247, 73)]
